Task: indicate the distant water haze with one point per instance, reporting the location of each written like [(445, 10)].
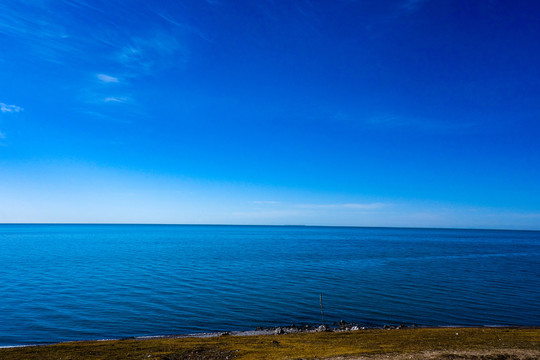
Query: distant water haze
[(74, 282)]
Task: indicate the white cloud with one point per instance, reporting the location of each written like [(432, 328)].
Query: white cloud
[(116, 99), (5, 108), (107, 79), (266, 202)]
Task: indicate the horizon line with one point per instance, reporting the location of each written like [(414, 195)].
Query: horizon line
[(268, 225)]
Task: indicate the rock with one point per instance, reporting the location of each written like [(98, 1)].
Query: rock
[(323, 328), (279, 331), (354, 328)]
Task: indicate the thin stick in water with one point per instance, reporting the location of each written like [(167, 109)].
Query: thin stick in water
[(322, 311)]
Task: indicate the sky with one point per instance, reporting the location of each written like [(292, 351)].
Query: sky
[(407, 113)]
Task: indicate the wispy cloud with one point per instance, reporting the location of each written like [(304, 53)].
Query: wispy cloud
[(98, 38), (157, 50), (96, 95), (92, 32), (50, 32), (5, 108), (8, 109), (350, 206), (83, 4), (107, 78), (117, 99), (165, 15), (308, 206)]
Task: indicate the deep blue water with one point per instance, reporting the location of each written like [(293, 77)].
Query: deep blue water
[(73, 282)]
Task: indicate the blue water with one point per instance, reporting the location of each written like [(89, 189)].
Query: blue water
[(73, 282)]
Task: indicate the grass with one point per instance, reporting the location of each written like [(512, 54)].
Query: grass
[(446, 343)]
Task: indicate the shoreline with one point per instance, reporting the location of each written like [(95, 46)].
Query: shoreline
[(341, 327)]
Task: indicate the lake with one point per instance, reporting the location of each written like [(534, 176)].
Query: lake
[(75, 282)]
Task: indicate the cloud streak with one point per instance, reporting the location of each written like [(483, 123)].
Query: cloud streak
[(157, 50), (345, 206), (335, 206), (71, 31), (107, 78), (114, 99), (5, 108)]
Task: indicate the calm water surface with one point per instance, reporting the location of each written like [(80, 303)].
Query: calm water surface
[(73, 282)]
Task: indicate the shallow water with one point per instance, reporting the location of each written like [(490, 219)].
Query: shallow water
[(73, 282)]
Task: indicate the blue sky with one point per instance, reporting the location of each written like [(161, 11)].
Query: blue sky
[(368, 113)]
